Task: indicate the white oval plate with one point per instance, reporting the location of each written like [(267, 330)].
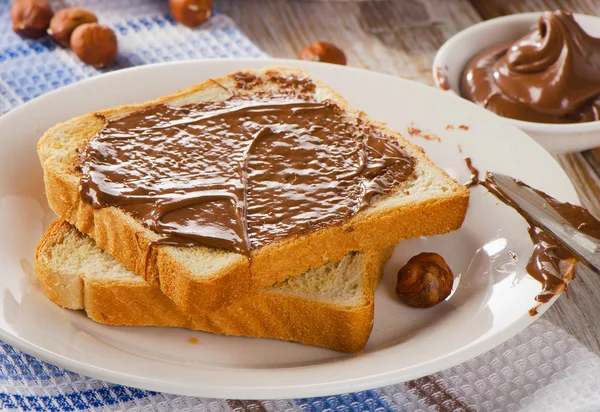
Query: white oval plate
[(489, 305)]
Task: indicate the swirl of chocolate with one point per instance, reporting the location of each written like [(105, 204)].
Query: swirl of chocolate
[(551, 75)]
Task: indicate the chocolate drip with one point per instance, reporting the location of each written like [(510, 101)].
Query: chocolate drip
[(551, 263), (545, 264), (442, 78), (240, 173), (474, 178)]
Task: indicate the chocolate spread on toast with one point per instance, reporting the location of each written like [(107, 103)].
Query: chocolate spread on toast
[(241, 173)]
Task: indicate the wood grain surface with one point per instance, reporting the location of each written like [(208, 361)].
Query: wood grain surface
[(401, 37)]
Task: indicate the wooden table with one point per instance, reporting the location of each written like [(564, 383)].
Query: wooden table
[(401, 37)]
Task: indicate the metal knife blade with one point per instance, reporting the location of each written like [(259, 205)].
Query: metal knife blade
[(584, 247)]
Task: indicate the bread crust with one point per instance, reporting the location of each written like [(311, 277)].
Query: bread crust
[(267, 314), (127, 240)]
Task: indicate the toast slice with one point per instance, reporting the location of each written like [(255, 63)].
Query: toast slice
[(200, 279), (330, 307)]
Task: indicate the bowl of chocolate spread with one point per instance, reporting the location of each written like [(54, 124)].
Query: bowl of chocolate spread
[(541, 71)]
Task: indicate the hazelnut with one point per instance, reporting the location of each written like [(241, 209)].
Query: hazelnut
[(323, 52), (191, 13), (424, 281), (66, 20), (94, 44), (30, 18)]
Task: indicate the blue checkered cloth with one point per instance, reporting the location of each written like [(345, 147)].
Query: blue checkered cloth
[(29, 68), (543, 368)]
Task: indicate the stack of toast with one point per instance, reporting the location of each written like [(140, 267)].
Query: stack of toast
[(314, 285)]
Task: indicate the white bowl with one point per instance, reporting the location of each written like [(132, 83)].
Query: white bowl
[(454, 55)]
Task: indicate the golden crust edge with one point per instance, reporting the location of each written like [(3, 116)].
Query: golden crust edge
[(266, 314)]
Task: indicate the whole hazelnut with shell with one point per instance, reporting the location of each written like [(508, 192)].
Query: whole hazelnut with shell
[(191, 13), (66, 20), (94, 44), (30, 18), (424, 281), (323, 52)]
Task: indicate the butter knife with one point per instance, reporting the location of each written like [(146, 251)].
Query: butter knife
[(536, 207)]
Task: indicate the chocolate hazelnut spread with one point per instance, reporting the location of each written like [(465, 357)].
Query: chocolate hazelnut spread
[(474, 178), (551, 75), (545, 264), (551, 263), (441, 78), (241, 173)]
